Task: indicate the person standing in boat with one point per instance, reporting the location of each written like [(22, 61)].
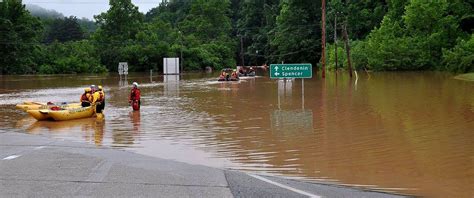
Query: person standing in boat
[(85, 98), (134, 98)]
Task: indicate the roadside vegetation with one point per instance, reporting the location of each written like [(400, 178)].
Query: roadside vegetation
[(386, 35)]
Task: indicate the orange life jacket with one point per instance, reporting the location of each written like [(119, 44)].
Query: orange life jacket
[(85, 97)]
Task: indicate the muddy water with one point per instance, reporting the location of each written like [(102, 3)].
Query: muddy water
[(410, 133)]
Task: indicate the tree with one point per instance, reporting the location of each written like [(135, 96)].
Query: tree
[(460, 59), (19, 33), (415, 38), (256, 20), (70, 58), (65, 29), (117, 28), (297, 36), (207, 31)]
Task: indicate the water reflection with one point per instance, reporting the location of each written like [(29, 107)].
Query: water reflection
[(90, 129), (291, 122), (135, 117), (171, 83)]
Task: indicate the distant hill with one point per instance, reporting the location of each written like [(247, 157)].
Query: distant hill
[(43, 13), (48, 16)]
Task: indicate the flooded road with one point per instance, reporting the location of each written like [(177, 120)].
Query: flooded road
[(411, 133)]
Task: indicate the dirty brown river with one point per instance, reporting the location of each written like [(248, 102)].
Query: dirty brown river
[(409, 133)]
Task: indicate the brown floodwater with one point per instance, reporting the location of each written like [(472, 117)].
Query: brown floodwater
[(407, 132)]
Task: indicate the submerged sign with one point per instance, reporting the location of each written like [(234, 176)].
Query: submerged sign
[(291, 70)]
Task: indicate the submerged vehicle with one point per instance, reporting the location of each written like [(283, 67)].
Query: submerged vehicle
[(229, 74)]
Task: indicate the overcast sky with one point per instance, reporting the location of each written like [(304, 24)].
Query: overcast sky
[(87, 8)]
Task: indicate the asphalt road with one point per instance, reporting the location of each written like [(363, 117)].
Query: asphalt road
[(36, 166)]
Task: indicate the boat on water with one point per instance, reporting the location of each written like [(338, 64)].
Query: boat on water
[(243, 71), (71, 114), (38, 105), (58, 114), (228, 74), (40, 114)]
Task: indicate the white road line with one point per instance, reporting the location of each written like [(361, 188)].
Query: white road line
[(39, 147), (285, 187), (11, 157)]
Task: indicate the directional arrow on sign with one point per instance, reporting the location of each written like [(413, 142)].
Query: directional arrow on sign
[(276, 68), (277, 74)]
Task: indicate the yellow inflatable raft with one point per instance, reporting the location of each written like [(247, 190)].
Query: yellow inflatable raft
[(40, 114), (71, 114), (38, 106)]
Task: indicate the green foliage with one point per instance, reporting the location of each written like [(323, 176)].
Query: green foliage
[(70, 58), (361, 16), (460, 59), (87, 26), (358, 62), (256, 19), (117, 28), (63, 30), (386, 35), (19, 33), (152, 43), (413, 39), (172, 12), (206, 32), (297, 36)]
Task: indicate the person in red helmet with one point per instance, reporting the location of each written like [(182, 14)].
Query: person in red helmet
[(134, 98)]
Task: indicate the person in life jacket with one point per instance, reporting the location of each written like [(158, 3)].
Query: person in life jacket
[(85, 97), (101, 97), (234, 75), (251, 70), (95, 99), (134, 98), (223, 75)]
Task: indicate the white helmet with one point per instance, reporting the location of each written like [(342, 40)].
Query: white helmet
[(135, 84)]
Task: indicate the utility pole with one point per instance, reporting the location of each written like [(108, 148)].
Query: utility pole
[(242, 50), (323, 40), (348, 48), (335, 39), (181, 51)]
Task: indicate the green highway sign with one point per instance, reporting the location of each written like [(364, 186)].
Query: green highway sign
[(291, 70)]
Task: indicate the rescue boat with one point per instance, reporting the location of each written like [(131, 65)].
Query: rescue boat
[(38, 106), (71, 114), (39, 115)]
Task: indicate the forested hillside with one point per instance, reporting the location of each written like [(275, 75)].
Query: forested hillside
[(383, 35)]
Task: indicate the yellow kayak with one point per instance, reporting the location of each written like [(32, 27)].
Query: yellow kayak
[(38, 106), (71, 114), (40, 114)]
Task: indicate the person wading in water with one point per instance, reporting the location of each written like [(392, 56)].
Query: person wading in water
[(134, 98)]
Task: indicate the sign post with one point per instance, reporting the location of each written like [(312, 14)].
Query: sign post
[(302, 70)]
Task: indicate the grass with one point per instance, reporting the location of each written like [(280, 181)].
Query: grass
[(467, 77)]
